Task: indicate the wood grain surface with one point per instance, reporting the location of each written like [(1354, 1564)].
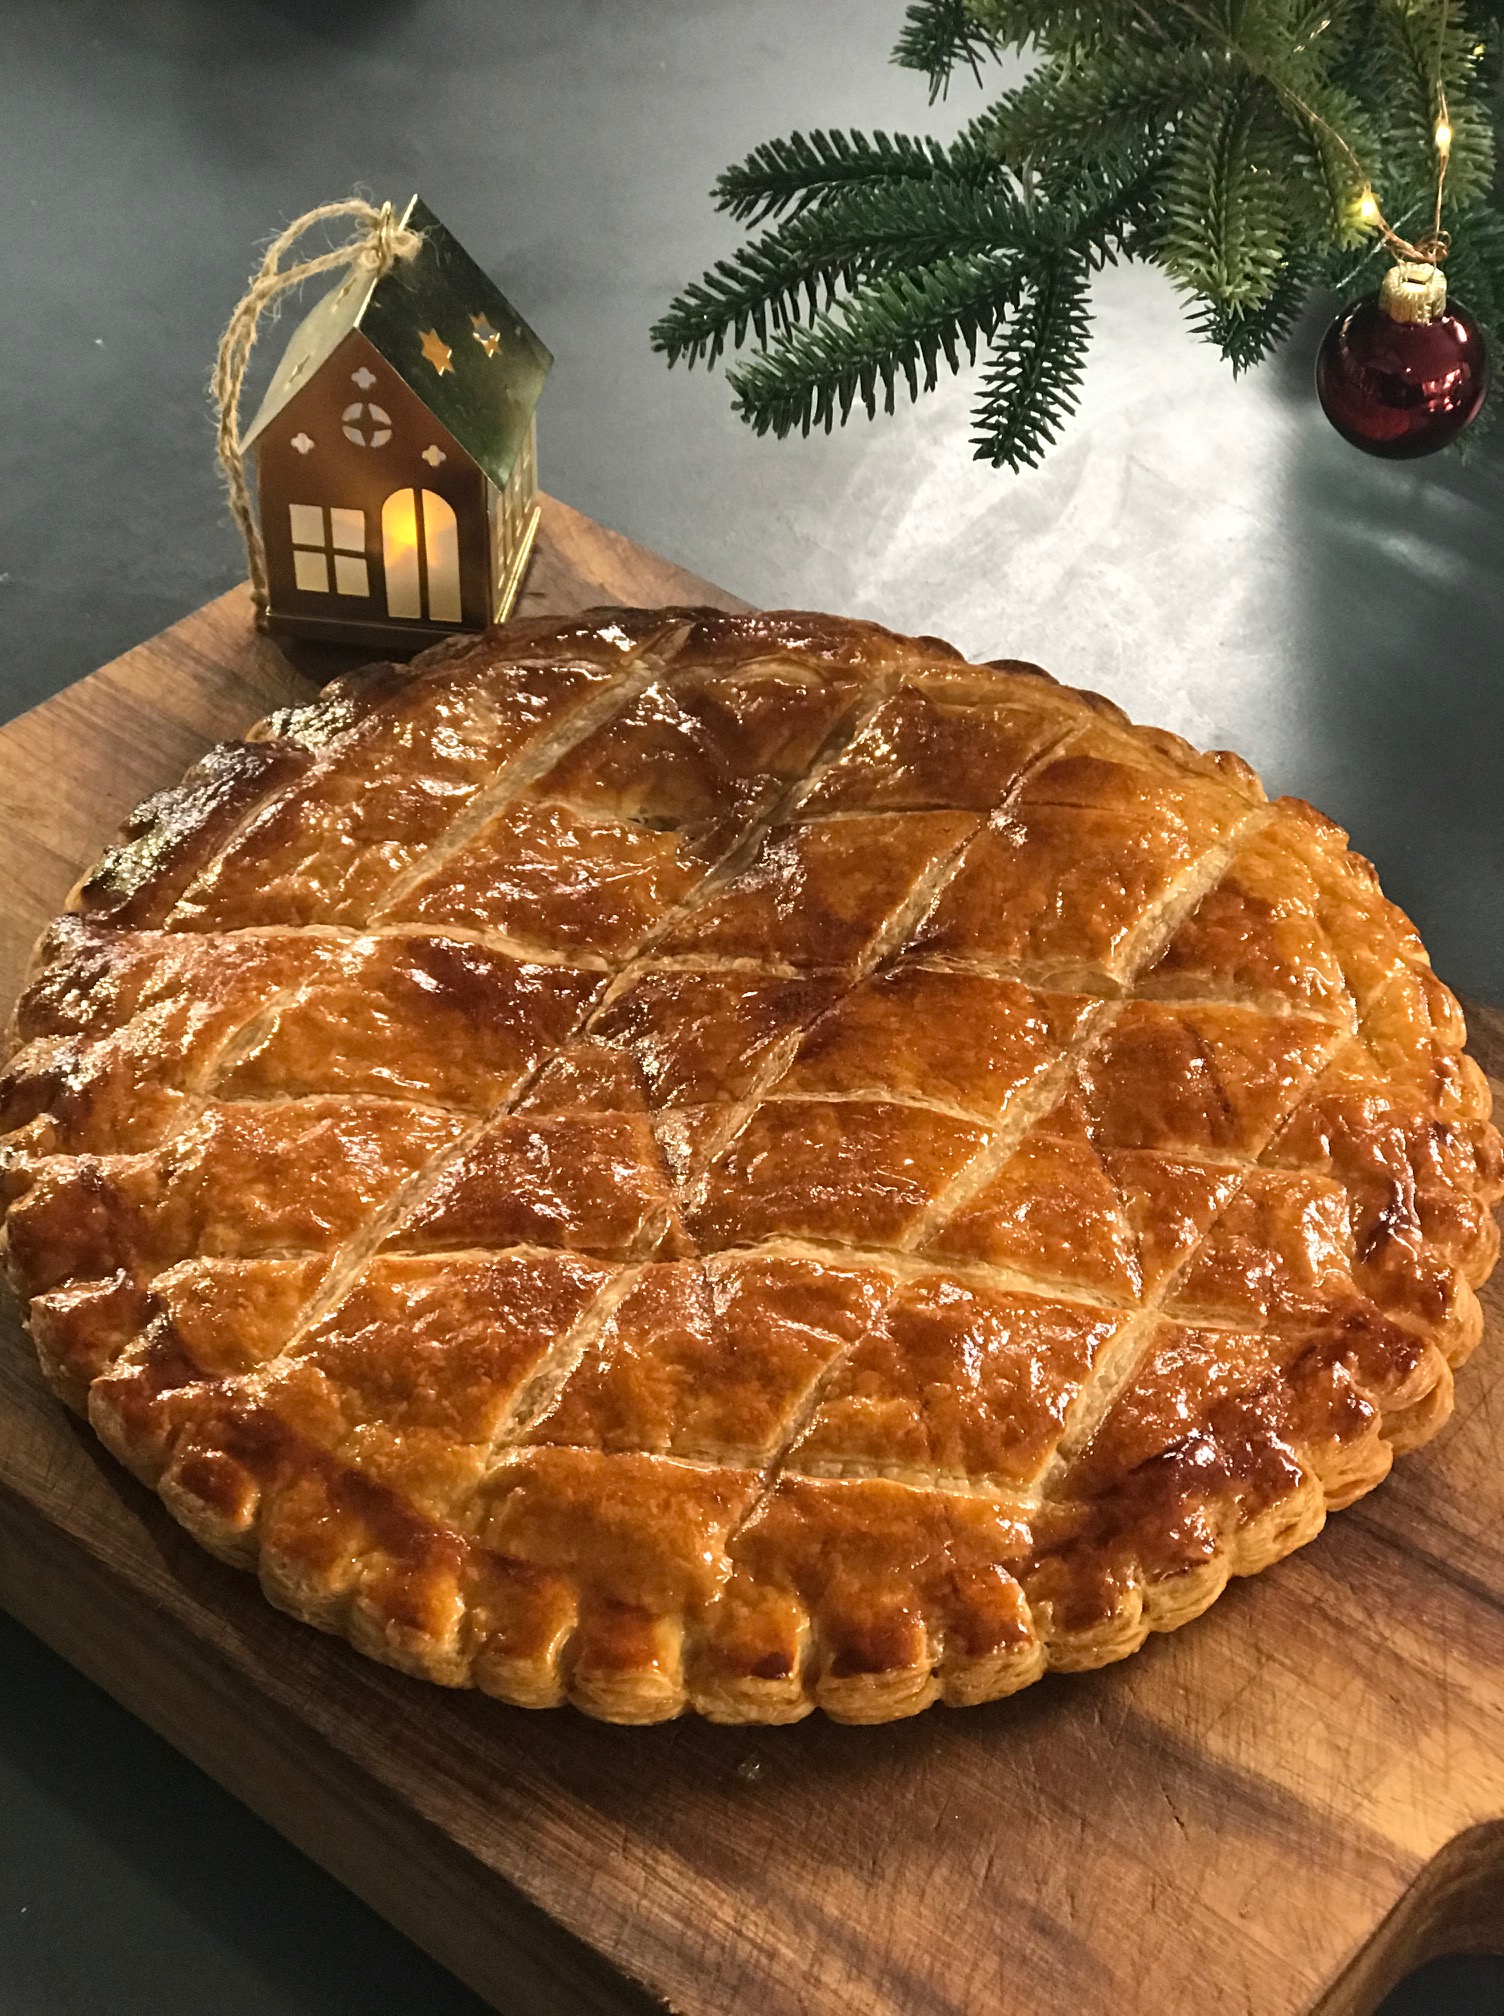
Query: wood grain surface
[(1278, 1810)]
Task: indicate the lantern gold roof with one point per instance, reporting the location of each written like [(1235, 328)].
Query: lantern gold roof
[(489, 385)]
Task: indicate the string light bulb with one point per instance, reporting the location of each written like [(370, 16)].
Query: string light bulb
[(1368, 208), (1443, 138)]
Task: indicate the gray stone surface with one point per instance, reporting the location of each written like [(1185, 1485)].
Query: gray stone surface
[(1210, 554)]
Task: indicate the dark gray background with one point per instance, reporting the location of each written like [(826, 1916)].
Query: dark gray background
[(1208, 553)]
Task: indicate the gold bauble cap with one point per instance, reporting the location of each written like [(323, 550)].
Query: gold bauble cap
[(1414, 291)]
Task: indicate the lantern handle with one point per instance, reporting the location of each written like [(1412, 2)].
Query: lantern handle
[(378, 241)]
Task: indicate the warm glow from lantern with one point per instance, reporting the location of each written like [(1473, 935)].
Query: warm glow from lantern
[(399, 552)]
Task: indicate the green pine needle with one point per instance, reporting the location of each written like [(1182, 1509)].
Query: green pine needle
[(938, 37)]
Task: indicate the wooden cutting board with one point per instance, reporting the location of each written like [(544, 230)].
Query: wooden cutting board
[(1280, 1809)]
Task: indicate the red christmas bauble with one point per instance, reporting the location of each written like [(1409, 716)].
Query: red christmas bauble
[(1402, 374)]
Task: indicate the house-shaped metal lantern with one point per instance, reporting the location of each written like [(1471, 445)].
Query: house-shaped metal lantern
[(396, 454)]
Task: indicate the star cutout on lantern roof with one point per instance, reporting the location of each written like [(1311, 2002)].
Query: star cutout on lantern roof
[(485, 335), (302, 443), (437, 351), (433, 455), (363, 378)]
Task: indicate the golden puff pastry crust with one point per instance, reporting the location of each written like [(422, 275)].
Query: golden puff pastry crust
[(671, 1160)]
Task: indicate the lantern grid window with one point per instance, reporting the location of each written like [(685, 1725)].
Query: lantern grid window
[(329, 547)]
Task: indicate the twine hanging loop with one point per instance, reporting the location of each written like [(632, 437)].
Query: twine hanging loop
[(378, 241)]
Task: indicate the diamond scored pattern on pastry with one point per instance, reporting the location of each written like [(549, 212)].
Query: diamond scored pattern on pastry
[(743, 1163)]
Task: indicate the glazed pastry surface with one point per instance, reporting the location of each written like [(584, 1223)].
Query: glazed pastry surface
[(670, 1160)]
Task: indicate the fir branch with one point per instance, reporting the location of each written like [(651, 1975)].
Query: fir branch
[(1335, 148), (1475, 265), (1099, 212), (1096, 211), (1337, 156), (974, 151), (1032, 382), (790, 272), (1225, 216), (910, 228), (1228, 141), (764, 287), (937, 37), (799, 267), (1075, 113), (901, 324), (1418, 42), (1245, 336), (1060, 24), (791, 174)]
